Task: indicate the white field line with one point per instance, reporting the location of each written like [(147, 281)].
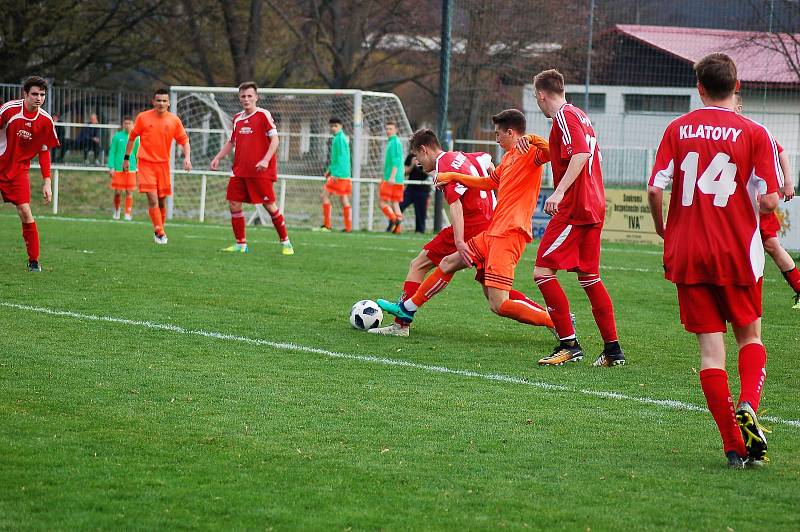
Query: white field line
[(285, 346)]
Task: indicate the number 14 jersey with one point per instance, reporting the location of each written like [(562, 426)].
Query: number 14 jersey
[(718, 163)]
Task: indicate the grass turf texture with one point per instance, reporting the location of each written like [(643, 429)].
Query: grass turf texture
[(108, 425)]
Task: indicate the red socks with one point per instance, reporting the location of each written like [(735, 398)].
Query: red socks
[(793, 278), (128, 204), (237, 223), (409, 289), (326, 215), (348, 221), (752, 371), (602, 308), (524, 313), (31, 236), (557, 305), (116, 201), (155, 217), (280, 225), (714, 382), (432, 285)]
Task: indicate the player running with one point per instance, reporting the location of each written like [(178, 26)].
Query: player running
[(571, 240), (496, 251), (718, 163), (26, 131), (122, 181), (391, 189), (769, 225), (255, 167), (338, 177), (156, 130)]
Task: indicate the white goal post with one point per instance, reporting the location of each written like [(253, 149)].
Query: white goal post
[(301, 117)]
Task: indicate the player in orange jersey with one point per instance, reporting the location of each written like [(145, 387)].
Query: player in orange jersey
[(498, 250), (156, 129)]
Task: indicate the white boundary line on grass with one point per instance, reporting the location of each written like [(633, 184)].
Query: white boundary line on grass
[(510, 379)]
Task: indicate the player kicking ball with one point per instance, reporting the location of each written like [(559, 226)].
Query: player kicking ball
[(27, 131), (723, 168), (255, 167), (497, 250)]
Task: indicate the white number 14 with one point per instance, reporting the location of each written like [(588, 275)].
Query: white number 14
[(708, 183)]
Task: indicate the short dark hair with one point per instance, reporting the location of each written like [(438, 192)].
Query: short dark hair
[(551, 81), (511, 119), (248, 85), (335, 120), (127, 117), (717, 74), (160, 91), (34, 81), (391, 123), (423, 137)]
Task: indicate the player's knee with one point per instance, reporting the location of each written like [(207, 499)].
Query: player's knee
[(272, 208), (771, 246)]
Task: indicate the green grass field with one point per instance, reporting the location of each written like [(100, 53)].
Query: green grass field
[(160, 387)]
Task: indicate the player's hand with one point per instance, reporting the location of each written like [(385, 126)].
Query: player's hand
[(464, 251), (47, 191), (442, 178), (660, 231), (111, 172), (214, 164), (523, 144), (126, 166), (187, 164), (262, 164), (788, 192), (551, 205)]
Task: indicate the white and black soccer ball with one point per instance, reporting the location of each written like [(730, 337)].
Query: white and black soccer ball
[(365, 315)]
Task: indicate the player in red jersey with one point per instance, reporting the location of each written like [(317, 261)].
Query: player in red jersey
[(769, 225), (719, 163), (26, 131), (571, 240), (470, 215), (255, 167)]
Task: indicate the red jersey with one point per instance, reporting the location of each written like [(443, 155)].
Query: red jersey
[(718, 162), (478, 205), (572, 132), (252, 136), (23, 135)]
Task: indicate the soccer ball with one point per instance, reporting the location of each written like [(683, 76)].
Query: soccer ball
[(365, 315)]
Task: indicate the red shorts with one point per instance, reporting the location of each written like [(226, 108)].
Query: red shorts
[(705, 308), (339, 187), (497, 257), (444, 243), (253, 190), (123, 181), (154, 177), (391, 191), (16, 190), (570, 247), (768, 226)]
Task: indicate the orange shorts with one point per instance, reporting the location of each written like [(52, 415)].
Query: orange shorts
[(498, 257), (154, 177), (391, 191), (339, 186), (123, 181)]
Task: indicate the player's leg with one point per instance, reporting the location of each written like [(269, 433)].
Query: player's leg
[(555, 253), (603, 312), (325, 198), (129, 204), (384, 193), (395, 206), (117, 204), (568, 348), (162, 206), (155, 216), (30, 234), (417, 269), (785, 264), (238, 225), (347, 212), (279, 223), (516, 309)]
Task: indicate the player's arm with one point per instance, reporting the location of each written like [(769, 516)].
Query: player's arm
[(525, 143), (44, 168), (271, 149), (112, 153), (457, 221), (132, 136), (655, 198), (223, 152), (576, 164), (660, 179), (187, 156), (788, 183), (469, 181)]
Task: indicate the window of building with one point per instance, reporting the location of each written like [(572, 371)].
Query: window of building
[(597, 101), (657, 103)]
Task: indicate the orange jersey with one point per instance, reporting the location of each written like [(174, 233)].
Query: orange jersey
[(156, 133), (518, 178)]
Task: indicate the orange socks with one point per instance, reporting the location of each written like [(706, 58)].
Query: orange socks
[(326, 215), (155, 217), (525, 313), (432, 285), (163, 216), (348, 222), (128, 204), (389, 213)]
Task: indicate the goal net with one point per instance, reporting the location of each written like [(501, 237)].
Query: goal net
[(301, 117)]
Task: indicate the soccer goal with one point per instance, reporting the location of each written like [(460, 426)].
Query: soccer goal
[(301, 116)]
